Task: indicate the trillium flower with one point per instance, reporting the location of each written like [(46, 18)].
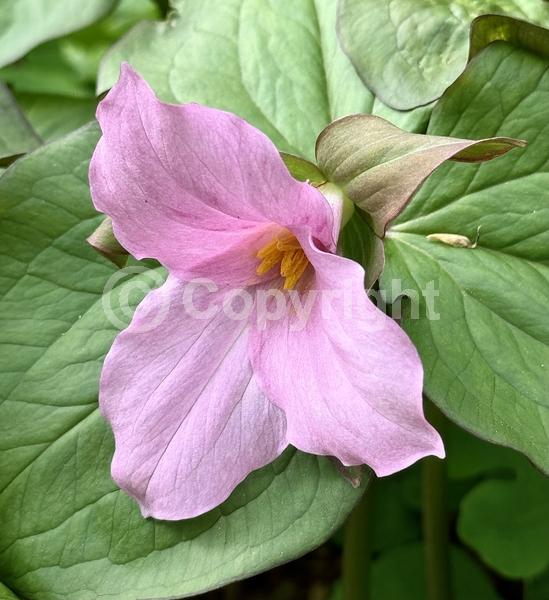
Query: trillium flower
[(205, 397)]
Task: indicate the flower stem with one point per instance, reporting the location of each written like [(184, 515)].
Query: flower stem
[(357, 548), (435, 517)]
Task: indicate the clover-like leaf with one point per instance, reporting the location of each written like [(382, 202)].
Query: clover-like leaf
[(485, 347), (18, 34), (386, 42), (16, 134)]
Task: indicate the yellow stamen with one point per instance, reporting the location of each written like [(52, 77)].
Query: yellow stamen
[(268, 249), (286, 251), (299, 264), (288, 243), (270, 261), (286, 265)]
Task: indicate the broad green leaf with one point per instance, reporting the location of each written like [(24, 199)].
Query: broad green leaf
[(67, 531), (6, 594), (538, 588), (264, 60), (55, 116), (68, 65), (359, 243), (409, 51), (507, 522), (302, 169), (400, 574), (485, 347), (470, 458), (55, 83), (276, 63), (16, 134), (492, 28), (505, 517), (27, 23), (48, 70)]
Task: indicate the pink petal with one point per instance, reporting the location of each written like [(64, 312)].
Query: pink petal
[(194, 187), (350, 381), (188, 417)]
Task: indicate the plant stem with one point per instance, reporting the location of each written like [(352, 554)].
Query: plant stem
[(357, 548), (435, 518), (164, 7)]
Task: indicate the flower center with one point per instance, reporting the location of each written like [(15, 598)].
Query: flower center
[(285, 251)]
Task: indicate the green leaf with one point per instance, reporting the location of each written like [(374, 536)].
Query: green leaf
[(507, 522), (48, 70), (538, 588), (6, 594), (67, 531), (55, 83), (505, 517), (241, 47), (276, 63), (55, 116), (302, 169), (359, 243), (68, 66), (469, 457), (399, 574), (27, 23), (492, 28), (16, 134), (409, 51), (486, 355)]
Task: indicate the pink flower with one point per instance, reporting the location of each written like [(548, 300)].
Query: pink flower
[(200, 400)]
